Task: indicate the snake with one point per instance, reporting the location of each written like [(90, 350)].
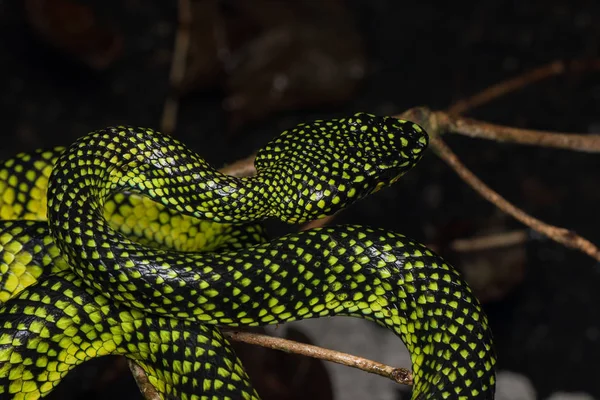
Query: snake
[(128, 242)]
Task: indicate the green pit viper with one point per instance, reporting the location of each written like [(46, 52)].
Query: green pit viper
[(141, 248)]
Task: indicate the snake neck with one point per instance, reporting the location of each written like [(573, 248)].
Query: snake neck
[(301, 190), (300, 176), (145, 163), (153, 165)]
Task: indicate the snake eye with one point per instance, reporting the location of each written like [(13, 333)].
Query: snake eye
[(388, 147), (406, 139), (388, 141)]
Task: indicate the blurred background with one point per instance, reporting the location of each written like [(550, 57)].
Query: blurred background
[(255, 68)]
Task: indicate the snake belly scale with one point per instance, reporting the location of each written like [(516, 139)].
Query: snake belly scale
[(111, 293)]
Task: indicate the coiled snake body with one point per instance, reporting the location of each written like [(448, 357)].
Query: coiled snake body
[(110, 272)]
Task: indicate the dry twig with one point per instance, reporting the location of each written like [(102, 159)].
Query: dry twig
[(491, 241), (146, 388), (318, 223), (503, 88), (178, 63), (243, 167), (430, 122), (399, 375), (438, 123), (560, 235), (469, 127)]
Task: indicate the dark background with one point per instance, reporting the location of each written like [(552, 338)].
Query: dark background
[(547, 323)]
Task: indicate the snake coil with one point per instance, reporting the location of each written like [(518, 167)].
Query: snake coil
[(142, 239)]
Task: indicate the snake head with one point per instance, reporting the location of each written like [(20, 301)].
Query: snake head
[(384, 149), (316, 169)]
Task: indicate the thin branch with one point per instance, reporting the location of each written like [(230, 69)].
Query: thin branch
[(178, 64), (399, 375), (528, 78), (146, 388), (435, 126), (560, 235), (513, 84), (491, 241), (473, 128), (239, 168), (318, 223), (469, 127)]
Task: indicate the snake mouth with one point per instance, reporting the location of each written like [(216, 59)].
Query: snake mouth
[(387, 175)]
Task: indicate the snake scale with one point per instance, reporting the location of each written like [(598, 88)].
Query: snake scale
[(141, 248)]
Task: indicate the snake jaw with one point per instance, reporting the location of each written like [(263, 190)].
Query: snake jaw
[(389, 148), (324, 166)]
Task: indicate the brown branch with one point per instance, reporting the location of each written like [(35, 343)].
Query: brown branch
[(473, 128), (146, 388), (495, 91), (178, 64), (560, 235), (513, 84), (239, 168), (318, 223), (435, 125), (491, 241), (399, 375)]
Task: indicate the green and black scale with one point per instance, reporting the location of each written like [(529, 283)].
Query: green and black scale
[(144, 250)]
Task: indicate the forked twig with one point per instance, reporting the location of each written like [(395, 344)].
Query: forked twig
[(239, 168), (438, 123), (470, 127), (560, 235)]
